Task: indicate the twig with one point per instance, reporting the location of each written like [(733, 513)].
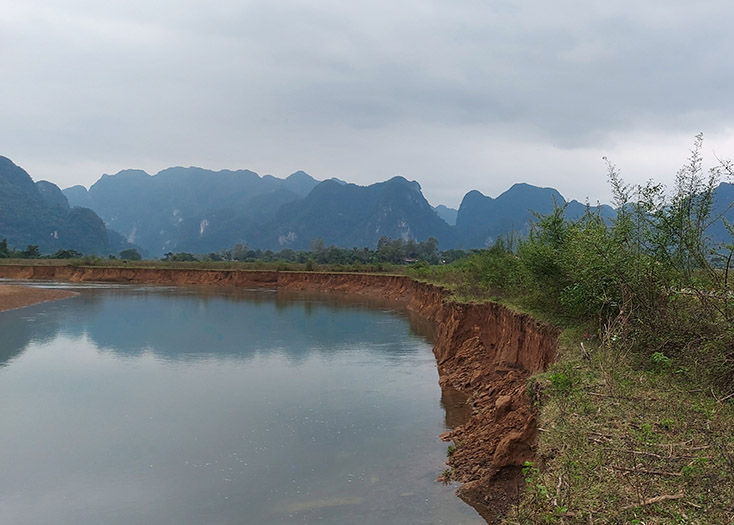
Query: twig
[(656, 499), (558, 490), (586, 353), (653, 472), (626, 398), (726, 397), (640, 453)]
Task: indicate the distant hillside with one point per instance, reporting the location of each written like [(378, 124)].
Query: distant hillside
[(198, 210), (189, 209), (348, 215), (723, 207), (39, 214), (447, 214), (482, 219)]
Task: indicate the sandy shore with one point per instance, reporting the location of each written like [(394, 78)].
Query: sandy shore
[(14, 296)]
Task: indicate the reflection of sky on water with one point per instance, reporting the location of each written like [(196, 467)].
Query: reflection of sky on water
[(140, 406), (185, 323)]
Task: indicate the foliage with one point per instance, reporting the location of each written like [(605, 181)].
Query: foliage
[(180, 257), (66, 254), (131, 254), (637, 414), (650, 276), (393, 251)]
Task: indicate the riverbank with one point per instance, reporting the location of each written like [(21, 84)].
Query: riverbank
[(13, 296), (484, 350)]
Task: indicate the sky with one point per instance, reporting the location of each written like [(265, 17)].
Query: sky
[(456, 94)]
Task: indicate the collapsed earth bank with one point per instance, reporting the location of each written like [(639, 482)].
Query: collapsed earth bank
[(484, 350)]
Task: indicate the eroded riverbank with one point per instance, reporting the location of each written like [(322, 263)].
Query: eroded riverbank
[(484, 350)]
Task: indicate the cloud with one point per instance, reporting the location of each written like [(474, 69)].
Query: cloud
[(476, 89)]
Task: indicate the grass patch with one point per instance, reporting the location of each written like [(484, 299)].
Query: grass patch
[(98, 262), (624, 443)]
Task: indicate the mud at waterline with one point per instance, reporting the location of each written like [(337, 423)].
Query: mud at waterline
[(12, 297), (484, 351)]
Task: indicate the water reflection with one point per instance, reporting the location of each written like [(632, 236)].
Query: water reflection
[(181, 323), (149, 405)]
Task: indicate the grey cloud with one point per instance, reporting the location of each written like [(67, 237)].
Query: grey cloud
[(288, 83)]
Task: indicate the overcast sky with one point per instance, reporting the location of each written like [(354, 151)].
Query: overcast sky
[(459, 94)]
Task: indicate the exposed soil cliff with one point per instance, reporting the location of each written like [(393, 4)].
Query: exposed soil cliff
[(484, 350)]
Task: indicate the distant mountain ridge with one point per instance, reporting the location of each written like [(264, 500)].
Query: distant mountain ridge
[(39, 214), (190, 208), (348, 215), (449, 215), (482, 219), (198, 210)]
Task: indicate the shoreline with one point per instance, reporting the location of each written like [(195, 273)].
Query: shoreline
[(15, 296), (485, 350)]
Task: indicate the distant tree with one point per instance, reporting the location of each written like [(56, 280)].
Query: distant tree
[(287, 255), (239, 252), (4, 250), (180, 257), (66, 254), (318, 245), (131, 254), (31, 252)]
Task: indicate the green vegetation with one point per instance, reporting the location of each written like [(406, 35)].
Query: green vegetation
[(392, 251), (131, 254), (636, 415), (391, 255)]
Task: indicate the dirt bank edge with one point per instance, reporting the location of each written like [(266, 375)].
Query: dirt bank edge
[(484, 350)]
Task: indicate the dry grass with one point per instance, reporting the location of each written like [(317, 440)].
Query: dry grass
[(627, 442), (212, 265)]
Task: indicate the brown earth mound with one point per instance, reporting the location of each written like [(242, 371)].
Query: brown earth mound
[(483, 350)]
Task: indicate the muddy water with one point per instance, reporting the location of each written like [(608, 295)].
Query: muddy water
[(154, 405)]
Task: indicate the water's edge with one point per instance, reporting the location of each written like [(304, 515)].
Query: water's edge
[(484, 350)]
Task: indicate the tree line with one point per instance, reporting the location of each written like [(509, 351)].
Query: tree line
[(650, 278), (392, 251)]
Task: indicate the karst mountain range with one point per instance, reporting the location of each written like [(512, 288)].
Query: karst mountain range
[(200, 211)]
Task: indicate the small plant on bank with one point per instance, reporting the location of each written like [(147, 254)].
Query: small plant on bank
[(445, 476), (452, 448), (661, 360)]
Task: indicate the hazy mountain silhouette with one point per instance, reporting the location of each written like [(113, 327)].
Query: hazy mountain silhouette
[(447, 214), (723, 207), (189, 209), (348, 215), (39, 214), (198, 210), (482, 219)]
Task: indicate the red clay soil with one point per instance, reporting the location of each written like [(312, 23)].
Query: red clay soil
[(483, 350), (13, 296)]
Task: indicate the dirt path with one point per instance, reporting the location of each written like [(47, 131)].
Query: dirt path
[(14, 296)]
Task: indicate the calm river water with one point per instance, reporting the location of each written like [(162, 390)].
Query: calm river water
[(156, 405)]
